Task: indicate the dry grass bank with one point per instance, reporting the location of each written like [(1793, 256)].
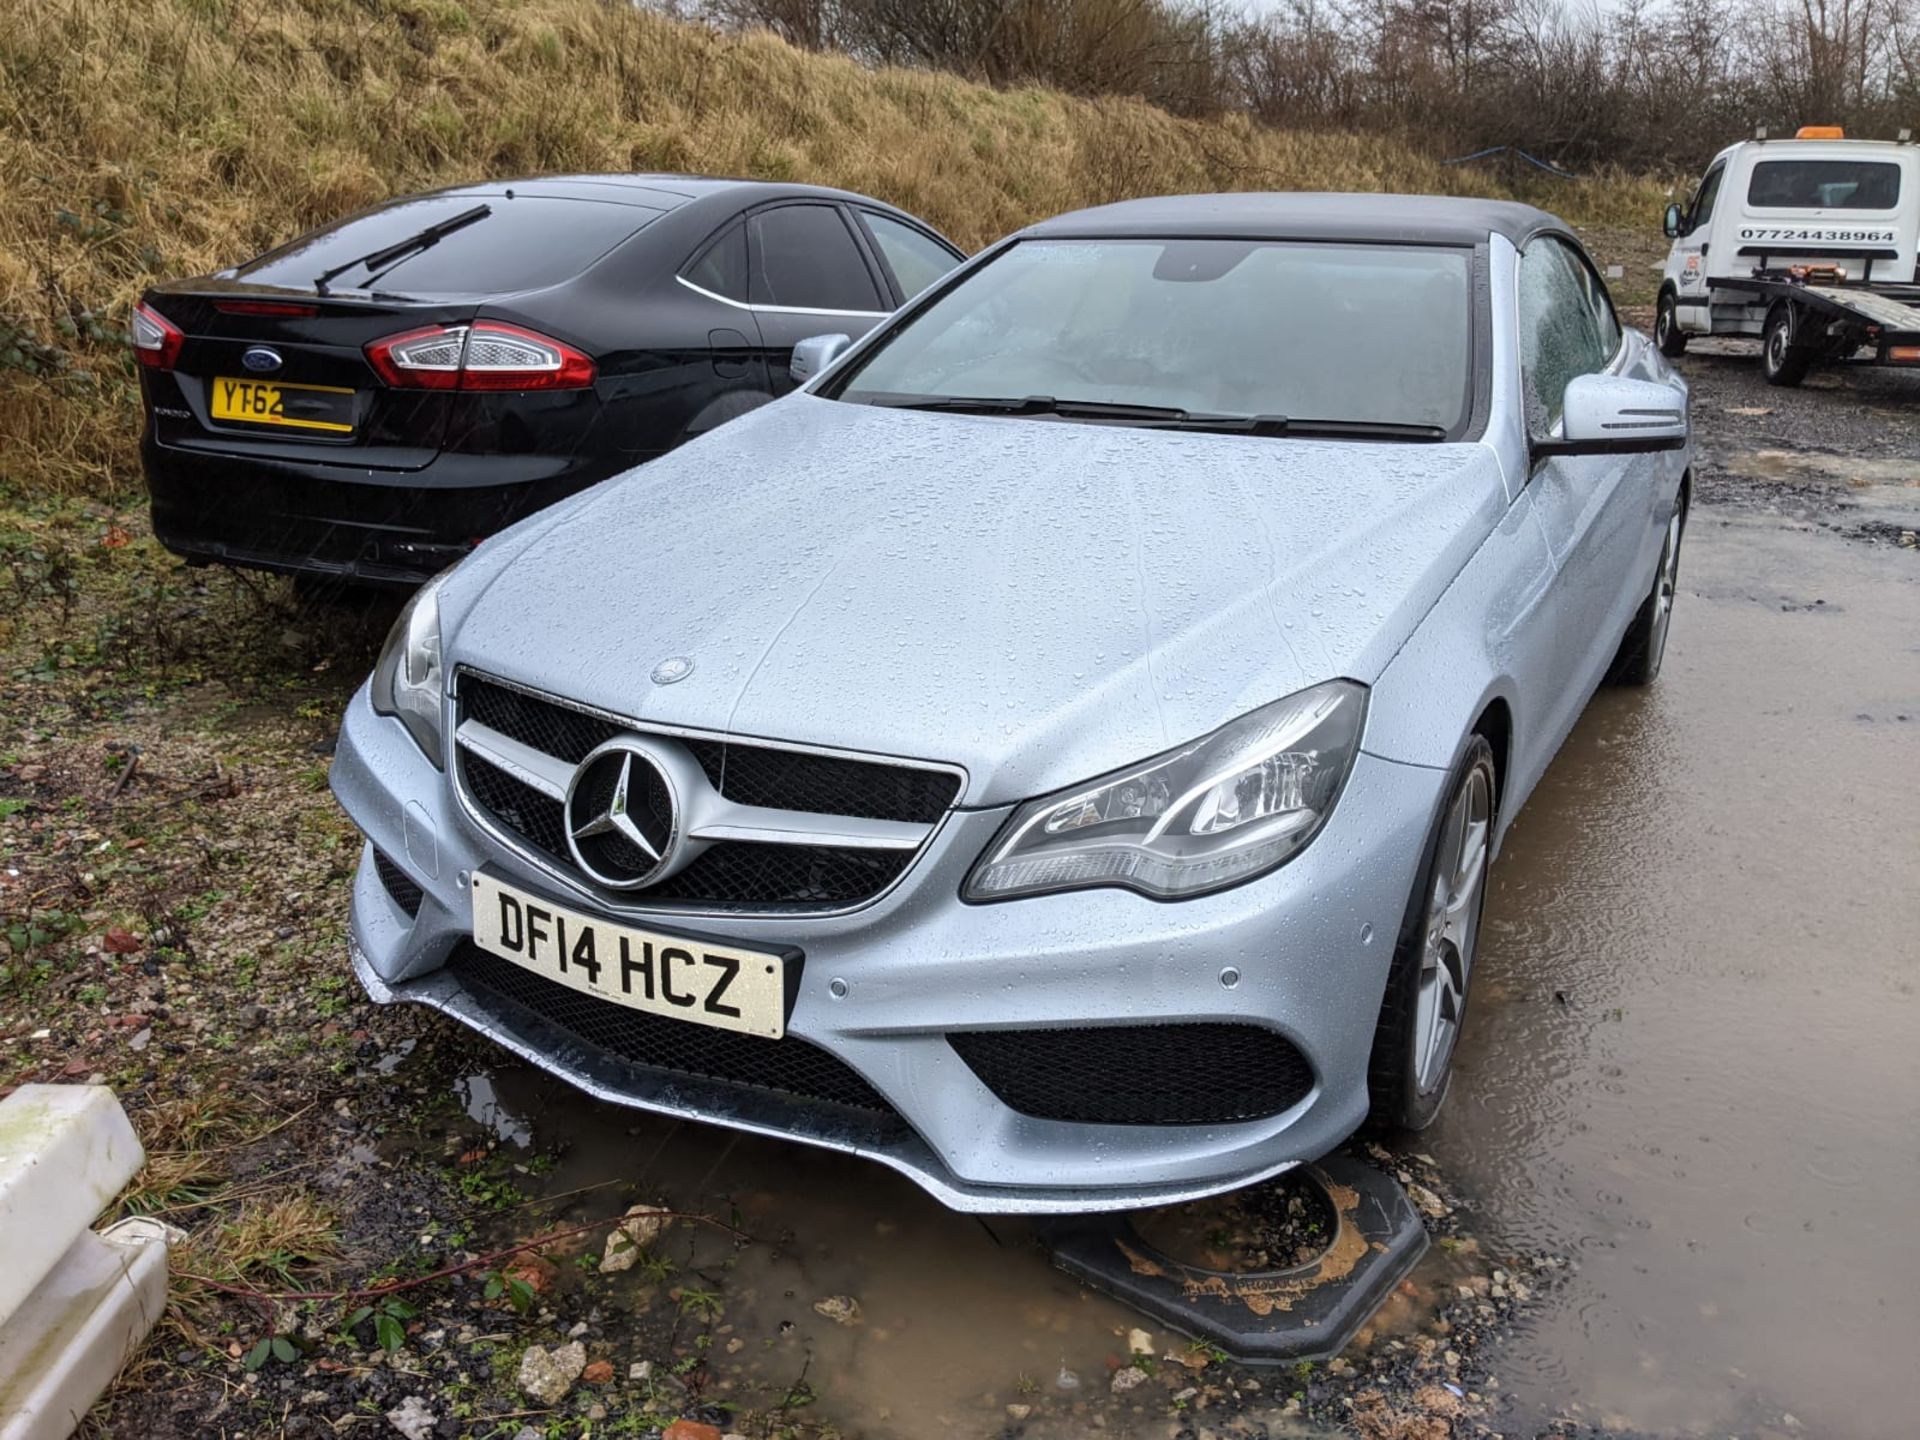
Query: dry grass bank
[(148, 138)]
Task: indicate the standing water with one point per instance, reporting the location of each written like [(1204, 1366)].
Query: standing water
[(1693, 1062)]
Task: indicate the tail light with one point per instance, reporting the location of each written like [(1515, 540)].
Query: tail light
[(487, 355), (156, 339)]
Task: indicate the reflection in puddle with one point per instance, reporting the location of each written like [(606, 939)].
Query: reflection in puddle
[(1695, 1049), (957, 1319), (1857, 471), (479, 1097)]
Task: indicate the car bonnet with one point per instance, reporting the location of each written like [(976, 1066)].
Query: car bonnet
[(1037, 601)]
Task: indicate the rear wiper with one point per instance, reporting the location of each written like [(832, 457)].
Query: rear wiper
[(419, 240)]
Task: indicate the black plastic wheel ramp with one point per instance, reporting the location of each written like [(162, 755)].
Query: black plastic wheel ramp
[(1308, 1312)]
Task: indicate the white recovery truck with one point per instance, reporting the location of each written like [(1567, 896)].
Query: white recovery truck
[(1808, 244)]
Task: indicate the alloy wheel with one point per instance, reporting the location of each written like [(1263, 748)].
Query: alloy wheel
[(1664, 588), (1453, 925)]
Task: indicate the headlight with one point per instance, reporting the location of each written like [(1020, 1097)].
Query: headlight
[(1227, 807), (409, 680)]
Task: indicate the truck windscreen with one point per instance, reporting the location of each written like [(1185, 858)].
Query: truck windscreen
[(1824, 185)]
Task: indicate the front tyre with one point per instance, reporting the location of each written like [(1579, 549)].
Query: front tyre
[(1426, 999), (1644, 646), (1783, 361), (1667, 333)]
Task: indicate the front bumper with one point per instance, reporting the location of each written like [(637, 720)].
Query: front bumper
[(1311, 944)]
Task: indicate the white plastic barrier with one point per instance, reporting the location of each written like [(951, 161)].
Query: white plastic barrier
[(73, 1304)]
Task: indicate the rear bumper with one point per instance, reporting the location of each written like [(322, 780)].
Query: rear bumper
[(388, 527)]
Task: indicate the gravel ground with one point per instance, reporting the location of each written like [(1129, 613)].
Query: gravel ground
[(173, 881)]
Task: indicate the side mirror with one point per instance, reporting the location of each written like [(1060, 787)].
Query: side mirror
[(815, 354), (1608, 415), (1674, 222)]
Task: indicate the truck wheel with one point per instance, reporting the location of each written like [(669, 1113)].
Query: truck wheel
[(1667, 333), (1784, 360)]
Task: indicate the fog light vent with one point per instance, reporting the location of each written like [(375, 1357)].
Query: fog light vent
[(1205, 1074)]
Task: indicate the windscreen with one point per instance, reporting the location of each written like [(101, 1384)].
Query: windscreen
[(526, 243), (1309, 331), (1824, 185)]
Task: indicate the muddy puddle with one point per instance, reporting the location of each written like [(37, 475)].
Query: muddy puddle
[(955, 1319), (1693, 1069), (1694, 1058)]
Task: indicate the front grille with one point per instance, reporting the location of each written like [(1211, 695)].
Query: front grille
[(538, 819), (1206, 1074), (558, 730), (405, 893), (732, 874), (751, 774), (790, 1067), (825, 784)]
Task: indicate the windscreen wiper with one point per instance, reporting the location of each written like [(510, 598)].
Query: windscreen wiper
[(1164, 417), (1309, 429), (1030, 405), (400, 249)]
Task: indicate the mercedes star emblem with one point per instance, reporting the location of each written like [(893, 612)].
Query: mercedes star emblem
[(620, 817)]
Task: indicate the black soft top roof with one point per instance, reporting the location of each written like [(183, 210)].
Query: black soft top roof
[(1407, 219)]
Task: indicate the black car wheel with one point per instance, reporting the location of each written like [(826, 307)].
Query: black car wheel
[(1784, 360), (1645, 644), (1426, 1001), (1667, 333)]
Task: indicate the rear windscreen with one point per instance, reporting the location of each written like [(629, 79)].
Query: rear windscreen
[(1824, 185), (526, 243)]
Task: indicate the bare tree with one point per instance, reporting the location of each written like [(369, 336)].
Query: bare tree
[(1641, 83)]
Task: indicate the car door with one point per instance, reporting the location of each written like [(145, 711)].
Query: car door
[(1595, 511), (1689, 259), (734, 377), (807, 274)]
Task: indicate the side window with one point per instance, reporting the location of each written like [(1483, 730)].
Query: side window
[(722, 266), (916, 258), (1560, 330), (1703, 199), (804, 257), (1602, 303)]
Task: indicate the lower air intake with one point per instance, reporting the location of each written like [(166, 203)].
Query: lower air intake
[(1206, 1074), (792, 1068), (405, 893)]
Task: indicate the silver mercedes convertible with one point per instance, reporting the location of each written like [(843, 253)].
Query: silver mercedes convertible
[(1057, 751)]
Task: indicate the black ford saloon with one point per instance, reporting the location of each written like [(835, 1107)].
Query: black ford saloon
[(374, 398)]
